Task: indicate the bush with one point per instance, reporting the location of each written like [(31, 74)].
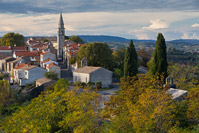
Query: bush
[(51, 75), (90, 84), (98, 85)]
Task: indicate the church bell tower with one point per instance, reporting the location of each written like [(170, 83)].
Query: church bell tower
[(60, 39)]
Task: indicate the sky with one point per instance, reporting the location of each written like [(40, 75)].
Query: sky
[(132, 19)]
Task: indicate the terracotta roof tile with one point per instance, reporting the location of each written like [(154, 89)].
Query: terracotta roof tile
[(26, 53), (38, 45), (19, 48), (52, 64), (21, 66), (5, 48), (44, 53), (47, 60)]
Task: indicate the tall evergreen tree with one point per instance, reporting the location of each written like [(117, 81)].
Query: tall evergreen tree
[(159, 60), (130, 61)]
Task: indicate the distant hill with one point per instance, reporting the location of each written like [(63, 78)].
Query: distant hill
[(116, 42), (106, 38), (192, 41)]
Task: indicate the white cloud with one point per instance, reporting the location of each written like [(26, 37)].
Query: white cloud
[(156, 24), (195, 25), (190, 36), (142, 36), (98, 23)]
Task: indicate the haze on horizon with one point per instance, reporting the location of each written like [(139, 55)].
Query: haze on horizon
[(143, 19)]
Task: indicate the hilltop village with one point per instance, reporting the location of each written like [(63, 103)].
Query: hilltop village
[(30, 63), (57, 84)]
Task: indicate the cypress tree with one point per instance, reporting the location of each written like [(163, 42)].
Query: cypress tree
[(159, 59), (130, 61)]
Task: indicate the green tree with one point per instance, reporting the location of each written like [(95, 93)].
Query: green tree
[(159, 63), (12, 39), (45, 40), (66, 37), (97, 54), (130, 61), (51, 75), (76, 39), (118, 61)]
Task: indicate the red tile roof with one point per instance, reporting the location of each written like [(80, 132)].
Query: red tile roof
[(5, 48), (26, 53), (31, 41), (21, 66), (44, 53), (51, 65), (39, 45), (47, 60), (19, 48)]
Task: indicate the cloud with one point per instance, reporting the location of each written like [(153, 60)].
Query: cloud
[(70, 6), (190, 36), (195, 25), (124, 24), (156, 24)]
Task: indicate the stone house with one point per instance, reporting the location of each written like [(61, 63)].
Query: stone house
[(37, 47), (93, 74), (33, 56), (3, 63), (26, 74), (12, 64), (47, 62)]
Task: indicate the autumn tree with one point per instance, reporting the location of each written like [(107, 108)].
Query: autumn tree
[(130, 61), (117, 110), (97, 54), (153, 112), (4, 92), (12, 39), (145, 57), (58, 110), (193, 105), (158, 64)]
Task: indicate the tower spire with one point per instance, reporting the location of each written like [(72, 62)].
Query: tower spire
[(61, 22)]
